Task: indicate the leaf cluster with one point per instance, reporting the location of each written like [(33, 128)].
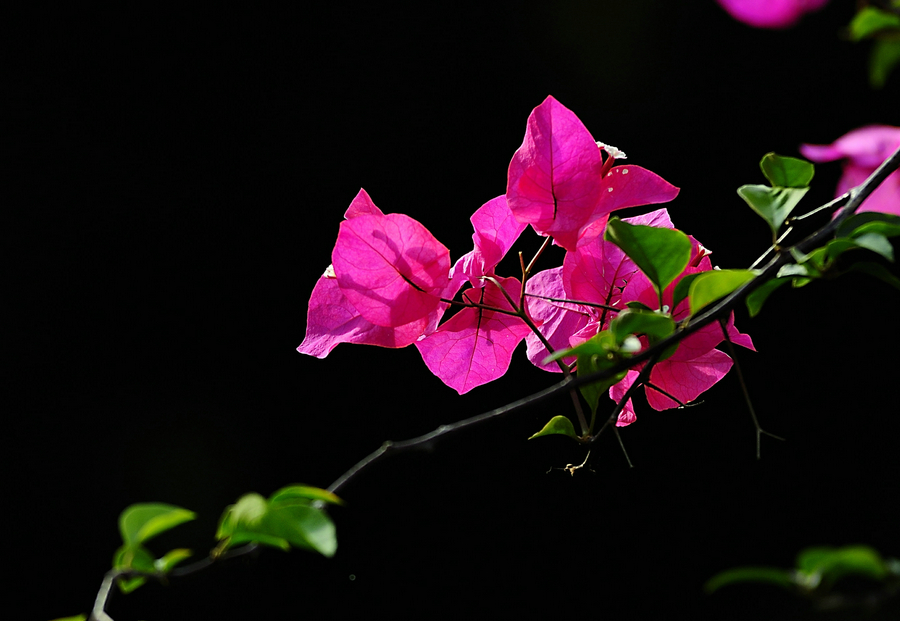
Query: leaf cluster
[(819, 570)]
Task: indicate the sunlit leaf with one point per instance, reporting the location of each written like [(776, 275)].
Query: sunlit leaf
[(682, 289), (141, 522), (661, 254), (135, 557), (170, 559), (286, 519), (557, 425), (715, 284), (870, 20), (773, 204), (771, 575), (832, 564), (302, 526), (303, 491), (654, 325), (786, 172)]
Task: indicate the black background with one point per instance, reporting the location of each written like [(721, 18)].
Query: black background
[(178, 183)]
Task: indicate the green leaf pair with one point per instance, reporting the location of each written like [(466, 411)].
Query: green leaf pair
[(289, 517), (790, 179), (818, 569), (663, 254), (867, 231), (884, 27), (138, 524)]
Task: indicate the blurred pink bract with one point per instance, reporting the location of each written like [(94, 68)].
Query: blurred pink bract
[(770, 13), (863, 150)]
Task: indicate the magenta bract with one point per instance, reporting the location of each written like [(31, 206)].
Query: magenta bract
[(863, 150), (332, 319), (770, 13), (596, 273), (390, 267), (475, 346), (557, 182), (496, 230)]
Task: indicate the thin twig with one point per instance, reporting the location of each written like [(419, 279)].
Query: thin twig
[(740, 376)]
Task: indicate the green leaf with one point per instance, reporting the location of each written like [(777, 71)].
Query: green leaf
[(286, 519), (135, 557), (859, 223), (876, 270), (601, 343), (661, 254), (773, 204), (870, 20), (654, 325), (758, 297), (294, 492), (771, 575), (141, 522), (786, 172), (244, 514), (877, 243), (793, 270), (75, 618), (170, 559), (827, 565), (594, 355), (682, 289), (557, 425), (240, 537), (302, 525), (883, 58), (715, 284)]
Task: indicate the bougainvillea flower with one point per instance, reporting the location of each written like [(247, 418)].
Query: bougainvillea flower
[(696, 365), (863, 150), (559, 183), (770, 13), (496, 230), (475, 346), (390, 268), (332, 319), (595, 273)]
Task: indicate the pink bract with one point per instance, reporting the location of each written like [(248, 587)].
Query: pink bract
[(770, 13), (696, 365), (475, 346), (596, 273), (559, 184), (862, 151), (332, 319), (496, 230), (390, 267)]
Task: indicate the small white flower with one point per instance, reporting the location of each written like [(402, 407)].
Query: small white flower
[(612, 151), (630, 345), (329, 272)]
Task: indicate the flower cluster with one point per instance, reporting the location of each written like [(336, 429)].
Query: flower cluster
[(391, 280)]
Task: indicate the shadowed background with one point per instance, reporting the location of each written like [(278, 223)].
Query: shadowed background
[(180, 179)]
